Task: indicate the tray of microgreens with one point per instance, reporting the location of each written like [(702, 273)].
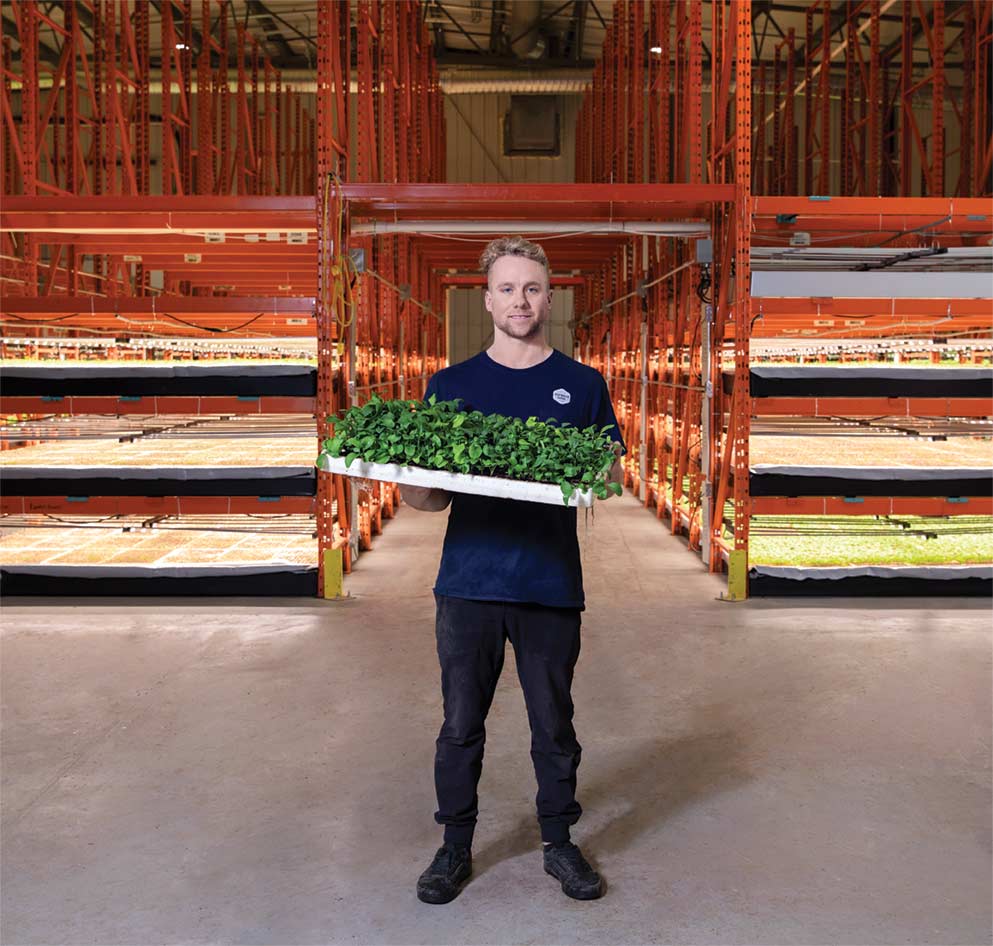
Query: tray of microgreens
[(439, 444)]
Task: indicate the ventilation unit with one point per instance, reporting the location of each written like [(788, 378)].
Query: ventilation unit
[(531, 126)]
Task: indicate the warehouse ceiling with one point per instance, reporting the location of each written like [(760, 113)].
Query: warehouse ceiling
[(519, 35)]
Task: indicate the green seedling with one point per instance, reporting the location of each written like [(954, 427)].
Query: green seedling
[(440, 435)]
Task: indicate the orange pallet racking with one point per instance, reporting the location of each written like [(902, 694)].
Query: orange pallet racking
[(664, 160)]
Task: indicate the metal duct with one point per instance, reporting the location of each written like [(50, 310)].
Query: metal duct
[(526, 41), (537, 82)]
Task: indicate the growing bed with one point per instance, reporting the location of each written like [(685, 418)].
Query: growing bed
[(188, 555), (162, 467)]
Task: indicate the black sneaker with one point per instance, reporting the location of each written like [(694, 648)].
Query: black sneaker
[(565, 862), (448, 872)]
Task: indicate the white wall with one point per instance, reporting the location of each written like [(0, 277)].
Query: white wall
[(474, 132), (474, 144)]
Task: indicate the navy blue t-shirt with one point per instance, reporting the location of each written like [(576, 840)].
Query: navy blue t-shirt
[(506, 549)]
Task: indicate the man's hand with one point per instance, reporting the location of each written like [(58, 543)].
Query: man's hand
[(616, 474), (364, 485), (425, 498)]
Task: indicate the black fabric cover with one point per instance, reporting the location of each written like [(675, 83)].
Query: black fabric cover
[(953, 484), (867, 586), (294, 582), (159, 380), (54, 485), (824, 381)]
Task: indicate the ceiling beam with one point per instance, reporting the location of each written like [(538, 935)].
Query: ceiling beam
[(267, 19), (48, 53), (835, 21), (916, 30), (498, 16), (575, 32), (459, 27)]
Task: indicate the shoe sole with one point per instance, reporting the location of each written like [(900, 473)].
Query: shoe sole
[(590, 895), (425, 897)]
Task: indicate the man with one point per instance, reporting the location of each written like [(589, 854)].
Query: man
[(511, 569)]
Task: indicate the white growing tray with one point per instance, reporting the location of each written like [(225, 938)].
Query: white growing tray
[(456, 482)]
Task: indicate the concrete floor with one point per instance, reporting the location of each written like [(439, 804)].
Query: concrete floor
[(261, 772)]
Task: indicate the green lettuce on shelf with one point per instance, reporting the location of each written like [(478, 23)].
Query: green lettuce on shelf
[(440, 435)]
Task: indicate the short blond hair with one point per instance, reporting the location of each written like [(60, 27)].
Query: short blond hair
[(512, 246)]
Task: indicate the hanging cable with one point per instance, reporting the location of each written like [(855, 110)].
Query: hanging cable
[(403, 292), (583, 320), (336, 267)]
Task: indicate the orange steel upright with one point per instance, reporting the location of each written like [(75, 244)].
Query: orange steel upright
[(863, 162), (333, 311), (625, 341), (728, 418), (879, 175), (976, 117), (83, 103), (382, 315), (87, 219)]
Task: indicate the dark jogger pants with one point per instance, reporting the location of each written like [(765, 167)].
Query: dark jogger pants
[(471, 638)]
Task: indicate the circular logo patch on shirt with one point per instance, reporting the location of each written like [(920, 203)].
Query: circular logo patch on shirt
[(561, 396)]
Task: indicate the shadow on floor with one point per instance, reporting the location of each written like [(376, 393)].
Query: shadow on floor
[(650, 781)]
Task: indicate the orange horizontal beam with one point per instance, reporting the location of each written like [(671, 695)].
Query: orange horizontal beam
[(872, 407), (870, 506), (115, 214), (873, 329), (180, 242), (152, 214), (233, 269), (156, 505), (14, 329), (169, 404), (928, 208), (831, 307), (150, 305), (534, 201)]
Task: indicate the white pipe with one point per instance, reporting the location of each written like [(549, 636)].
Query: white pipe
[(374, 227), (637, 227)]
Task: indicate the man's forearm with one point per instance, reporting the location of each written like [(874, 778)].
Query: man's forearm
[(425, 498)]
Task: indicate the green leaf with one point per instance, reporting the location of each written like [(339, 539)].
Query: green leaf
[(615, 488), (442, 435)]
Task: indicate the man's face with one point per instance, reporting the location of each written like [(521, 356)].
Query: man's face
[(518, 296)]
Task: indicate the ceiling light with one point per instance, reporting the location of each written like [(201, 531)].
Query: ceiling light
[(657, 50), (180, 45)]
